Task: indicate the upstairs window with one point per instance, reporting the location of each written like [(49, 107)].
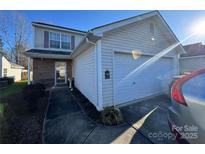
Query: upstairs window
[(65, 41), (54, 40), (59, 41), (152, 29)]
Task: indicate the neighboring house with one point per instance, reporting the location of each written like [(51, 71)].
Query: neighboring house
[(9, 69), (193, 59), (103, 60)]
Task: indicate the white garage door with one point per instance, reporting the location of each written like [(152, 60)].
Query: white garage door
[(152, 80)]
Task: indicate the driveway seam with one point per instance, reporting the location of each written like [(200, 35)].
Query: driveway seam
[(88, 135), (139, 132)]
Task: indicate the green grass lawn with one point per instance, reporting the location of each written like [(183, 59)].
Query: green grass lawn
[(12, 89)]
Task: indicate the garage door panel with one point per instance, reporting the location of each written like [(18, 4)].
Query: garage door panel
[(151, 80)]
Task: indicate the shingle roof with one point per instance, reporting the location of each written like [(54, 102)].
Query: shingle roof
[(41, 51), (124, 19), (196, 49), (66, 28)]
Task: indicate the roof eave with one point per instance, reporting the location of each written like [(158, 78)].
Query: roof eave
[(48, 56), (88, 41), (172, 33), (108, 27), (58, 28)]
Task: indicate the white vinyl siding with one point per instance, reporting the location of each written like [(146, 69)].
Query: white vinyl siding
[(84, 73), (135, 36), (10, 72), (39, 37), (191, 63)]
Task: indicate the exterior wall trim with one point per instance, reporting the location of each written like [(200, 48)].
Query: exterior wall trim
[(113, 76)]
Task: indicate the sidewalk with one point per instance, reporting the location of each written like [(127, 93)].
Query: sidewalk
[(66, 123)]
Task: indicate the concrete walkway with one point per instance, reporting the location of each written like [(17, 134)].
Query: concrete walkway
[(66, 123)]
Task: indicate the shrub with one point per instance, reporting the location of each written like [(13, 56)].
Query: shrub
[(32, 93), (10, 80), (111, 116)]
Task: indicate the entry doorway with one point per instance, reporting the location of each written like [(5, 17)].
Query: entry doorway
[(60, 73)]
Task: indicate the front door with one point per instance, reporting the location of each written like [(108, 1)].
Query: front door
[(60, 73)]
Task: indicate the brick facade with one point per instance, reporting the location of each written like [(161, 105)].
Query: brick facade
[(44, 70)]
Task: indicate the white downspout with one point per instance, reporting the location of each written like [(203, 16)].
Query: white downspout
[(29, 79), (98, 73)]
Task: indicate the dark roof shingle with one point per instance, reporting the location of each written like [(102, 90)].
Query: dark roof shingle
[(66, 28), (40, 51), (196, 49)]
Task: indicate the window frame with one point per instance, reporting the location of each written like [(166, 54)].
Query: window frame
[(54, 40), (152, 28), (60, 41), (69, 38)]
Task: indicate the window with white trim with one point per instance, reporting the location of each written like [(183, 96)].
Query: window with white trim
[(59, 41), (65, 41), (152, 29), (54, 40)]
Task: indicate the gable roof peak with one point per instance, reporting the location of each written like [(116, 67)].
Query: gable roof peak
[(149, 14)]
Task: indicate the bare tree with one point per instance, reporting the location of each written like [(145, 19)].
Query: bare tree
[(15, 32)]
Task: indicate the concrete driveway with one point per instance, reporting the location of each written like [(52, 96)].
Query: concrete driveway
[(145, 122)]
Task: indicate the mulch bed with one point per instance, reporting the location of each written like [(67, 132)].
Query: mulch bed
[(94, 114), (88, 107), (18, 124)]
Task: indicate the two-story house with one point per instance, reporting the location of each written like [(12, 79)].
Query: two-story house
[(51, 53), (110, 64)]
